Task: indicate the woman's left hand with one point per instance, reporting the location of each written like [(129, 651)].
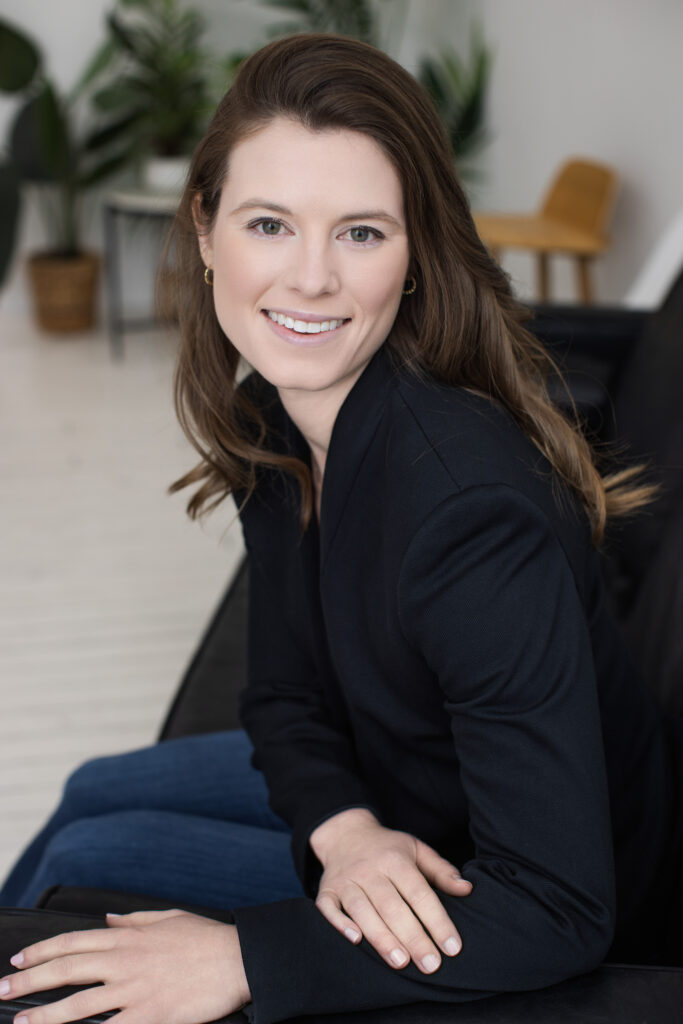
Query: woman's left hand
[(166, 967)]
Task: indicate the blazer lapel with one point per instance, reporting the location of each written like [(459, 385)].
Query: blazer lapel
[(352, 434)]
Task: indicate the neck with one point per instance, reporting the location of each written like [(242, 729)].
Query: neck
[(315, 413)]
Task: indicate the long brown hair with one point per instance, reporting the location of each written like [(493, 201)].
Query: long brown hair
[(462, 326)]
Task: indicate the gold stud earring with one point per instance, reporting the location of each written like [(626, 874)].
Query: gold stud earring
[(208, 275), (410, 286)]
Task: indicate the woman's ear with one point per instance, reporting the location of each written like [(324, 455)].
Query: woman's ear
[(203, 237)]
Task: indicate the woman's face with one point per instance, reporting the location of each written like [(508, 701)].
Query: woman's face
[(310, 253)]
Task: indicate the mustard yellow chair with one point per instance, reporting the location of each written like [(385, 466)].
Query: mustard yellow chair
[(572, 221)]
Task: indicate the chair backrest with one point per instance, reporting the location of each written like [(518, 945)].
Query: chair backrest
[(582, 195)]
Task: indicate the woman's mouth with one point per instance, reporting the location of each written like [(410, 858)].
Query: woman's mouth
[(298, 326)]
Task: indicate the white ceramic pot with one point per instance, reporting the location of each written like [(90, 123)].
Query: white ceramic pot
[(165, 174)]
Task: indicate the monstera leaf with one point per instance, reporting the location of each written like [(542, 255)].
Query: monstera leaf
[(19, 59), (19, 65), (39, 141), (9, 215)]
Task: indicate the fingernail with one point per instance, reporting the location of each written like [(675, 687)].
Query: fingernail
[(430, 963), (351, 934), (114, 915), (17, 960), (398, 957), (452, 946), (21, 1020), (4, 988)]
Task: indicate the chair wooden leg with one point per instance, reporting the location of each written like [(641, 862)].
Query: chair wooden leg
[(583, 279), (543, 271)]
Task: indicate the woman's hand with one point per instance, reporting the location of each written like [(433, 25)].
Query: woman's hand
[(166, 967), (379, 884)]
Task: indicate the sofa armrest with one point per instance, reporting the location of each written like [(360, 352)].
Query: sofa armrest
[(613, 992), (599, 332), (206, 700)]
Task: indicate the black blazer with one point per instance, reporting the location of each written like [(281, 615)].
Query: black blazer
[(440, 653)]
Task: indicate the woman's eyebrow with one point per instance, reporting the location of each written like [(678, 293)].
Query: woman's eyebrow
[(372, 215), (267, 204), (261, 204)]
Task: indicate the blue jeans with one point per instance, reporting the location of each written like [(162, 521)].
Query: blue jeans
[(186, 820)]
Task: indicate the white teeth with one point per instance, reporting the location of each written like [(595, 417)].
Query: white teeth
[(303, 326)]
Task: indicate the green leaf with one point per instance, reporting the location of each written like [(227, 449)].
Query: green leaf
[(55, 132), (39, 139), (347, 17), (19, 59), (99, 63), (126, 93), (98, 138), (431, 79), (127, 39), (10, 198), (458, 90), (302, 6)]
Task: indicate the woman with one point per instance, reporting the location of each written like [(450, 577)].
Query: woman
[(433, 677)]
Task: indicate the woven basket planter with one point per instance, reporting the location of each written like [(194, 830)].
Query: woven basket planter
[(64, 290)]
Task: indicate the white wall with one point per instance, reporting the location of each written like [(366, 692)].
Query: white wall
[(594, 77), (597, 77)]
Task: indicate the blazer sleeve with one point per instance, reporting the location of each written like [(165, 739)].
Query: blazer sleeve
[(300, 744), (488, 598)]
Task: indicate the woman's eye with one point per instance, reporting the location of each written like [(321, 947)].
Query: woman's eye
[(267, 226), (363, 234)]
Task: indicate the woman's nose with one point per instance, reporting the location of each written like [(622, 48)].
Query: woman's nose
[(313, 270)]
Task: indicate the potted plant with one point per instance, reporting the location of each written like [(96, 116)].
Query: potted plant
[(46, 150), (458, 89), (346, 17), (155, 80)]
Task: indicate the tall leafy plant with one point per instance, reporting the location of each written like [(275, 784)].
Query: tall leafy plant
[(154, 76), (347, 17), (47, 148), (458, 89)]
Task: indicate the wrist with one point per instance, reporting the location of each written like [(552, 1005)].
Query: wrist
[(326, 836)]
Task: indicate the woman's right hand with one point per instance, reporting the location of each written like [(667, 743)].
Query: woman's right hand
[(379, 884)]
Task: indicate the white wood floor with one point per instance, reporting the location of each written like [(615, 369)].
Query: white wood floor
[(105, 584)]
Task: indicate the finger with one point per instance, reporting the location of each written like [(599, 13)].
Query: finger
[(142, 917), (404, 921), (430, 911), (440, 872), (329, 906), (63, 945), (88, 1003), (75, 969), (363, 914)]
